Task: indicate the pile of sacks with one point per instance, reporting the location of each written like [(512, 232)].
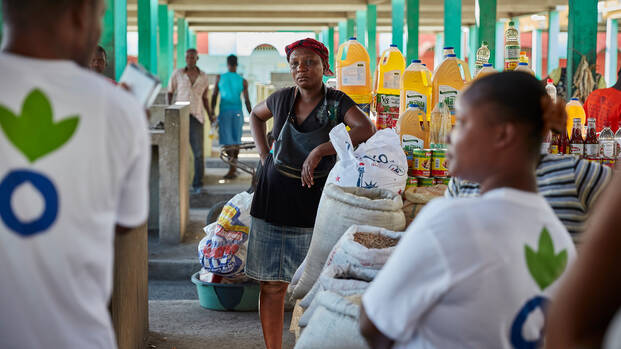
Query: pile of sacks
[(330, 311), (222, 252)]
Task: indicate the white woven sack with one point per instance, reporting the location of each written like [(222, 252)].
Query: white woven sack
[(339, 209)]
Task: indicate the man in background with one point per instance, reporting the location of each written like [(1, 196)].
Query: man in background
[(80, 145), (191, 84), (99, 62)]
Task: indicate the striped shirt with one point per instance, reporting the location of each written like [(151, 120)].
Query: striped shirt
[(569, 184)]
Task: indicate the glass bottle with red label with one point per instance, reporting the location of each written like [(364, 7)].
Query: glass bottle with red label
[(563, 146), (576, 143), (591, 145), (555, 144), (607, 143)]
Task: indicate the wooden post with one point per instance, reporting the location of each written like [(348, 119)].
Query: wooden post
[(129, 304)]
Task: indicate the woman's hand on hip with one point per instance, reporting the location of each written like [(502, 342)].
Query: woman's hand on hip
[(311, 162), (263, 157)]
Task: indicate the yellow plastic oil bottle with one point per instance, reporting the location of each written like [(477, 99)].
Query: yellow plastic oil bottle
[(387, 87), (411, 129), (416, 88), (353, 74), (486, 70), (574, 110), (451, 76)]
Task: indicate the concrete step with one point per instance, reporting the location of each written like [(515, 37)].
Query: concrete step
[(251, 159), (172, 290), (213, 194), (180, 268)]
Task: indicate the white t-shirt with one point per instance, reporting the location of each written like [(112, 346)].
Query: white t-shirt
[(472, 273), (63, 188)]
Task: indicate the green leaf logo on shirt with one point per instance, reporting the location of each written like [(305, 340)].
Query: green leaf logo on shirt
[(544, 265), (34, 132)]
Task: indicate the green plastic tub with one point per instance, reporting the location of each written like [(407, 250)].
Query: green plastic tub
[(227, 297)]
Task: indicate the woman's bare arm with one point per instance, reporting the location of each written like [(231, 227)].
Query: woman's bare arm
[(258, 116)]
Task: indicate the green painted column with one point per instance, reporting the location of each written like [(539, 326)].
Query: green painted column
[(350, 26), (554, 28), (398, 11), (413, 14), (581, 36), (452, 25), (361, 26), (499, 56), (147, 34), (485, 16), (536, 53), (372, 35), (182, 37), (331, 48), (612, 46), (114, 37), (166, 27), (473, 46), (192, 39), (343, 32), (1, 25)]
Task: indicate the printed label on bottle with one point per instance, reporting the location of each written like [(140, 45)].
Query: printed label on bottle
[(576, 149), (512, 52), (591, 150), (608, 149), (418, 99), (411, 141), (448, 95), (392, 79), (354, 75), (387, 109), (545, 147)]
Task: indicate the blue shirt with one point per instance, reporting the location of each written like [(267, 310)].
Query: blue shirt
[(231, 86)]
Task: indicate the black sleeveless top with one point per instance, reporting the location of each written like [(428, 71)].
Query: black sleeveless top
[(279, 199)]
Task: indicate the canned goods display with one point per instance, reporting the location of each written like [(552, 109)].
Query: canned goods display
[(411, 182), (425, 181), (441, 180), (409, 155), (422, 162), (438, 163)]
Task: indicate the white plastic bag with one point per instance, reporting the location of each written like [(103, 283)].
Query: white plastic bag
[(378, 163), (235, 215)]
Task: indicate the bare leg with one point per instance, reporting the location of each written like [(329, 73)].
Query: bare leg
[(234, 154), (272, 312)]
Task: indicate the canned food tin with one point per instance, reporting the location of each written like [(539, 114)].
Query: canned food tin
[(441, 180), (609, 162), (438, 163), (422, 162), (411, 182), (425, 181), (409, 155)]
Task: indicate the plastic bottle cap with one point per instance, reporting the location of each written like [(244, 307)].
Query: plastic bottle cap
[(512, 23), (574, 99), (393, 45), (523, 53), (449, 48), (424, 65), (416, 61), (487, 64), (451, 55), (352, 38), (522, 63), (485, 43), (411, 105), (550, 81)]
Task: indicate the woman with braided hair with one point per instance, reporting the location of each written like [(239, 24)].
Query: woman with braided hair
[(292, 176)]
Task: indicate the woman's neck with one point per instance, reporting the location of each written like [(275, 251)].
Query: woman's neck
[(311, 93)]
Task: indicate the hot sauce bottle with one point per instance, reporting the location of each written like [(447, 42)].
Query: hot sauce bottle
[(576, 143), (563, 147), (555, 144), (591, 145)]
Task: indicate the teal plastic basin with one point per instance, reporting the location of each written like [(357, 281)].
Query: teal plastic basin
[(227, 297)]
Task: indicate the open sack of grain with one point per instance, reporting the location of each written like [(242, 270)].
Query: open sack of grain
[(417, 197), (331, 308), (339, 209)]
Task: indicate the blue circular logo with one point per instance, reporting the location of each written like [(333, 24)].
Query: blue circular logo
[(7, 187), (517, 339)]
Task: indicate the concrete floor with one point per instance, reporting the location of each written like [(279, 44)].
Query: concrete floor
[(184, 324)]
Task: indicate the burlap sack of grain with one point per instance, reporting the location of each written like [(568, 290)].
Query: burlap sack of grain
[(339, 209), (417, 197), (334, 324)]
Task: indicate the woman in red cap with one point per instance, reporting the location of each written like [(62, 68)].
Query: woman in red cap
[(292, 176)]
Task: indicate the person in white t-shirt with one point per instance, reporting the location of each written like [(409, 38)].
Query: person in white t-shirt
[(74, 153), (478, 272)]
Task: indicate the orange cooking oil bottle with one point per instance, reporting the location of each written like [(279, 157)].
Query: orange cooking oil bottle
[(387, 87), (411, 129), (451, 76), (353, 74), (574, 110), (487, 69), (416, 89)]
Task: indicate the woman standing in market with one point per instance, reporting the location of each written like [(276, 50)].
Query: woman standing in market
[(292, 178)]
